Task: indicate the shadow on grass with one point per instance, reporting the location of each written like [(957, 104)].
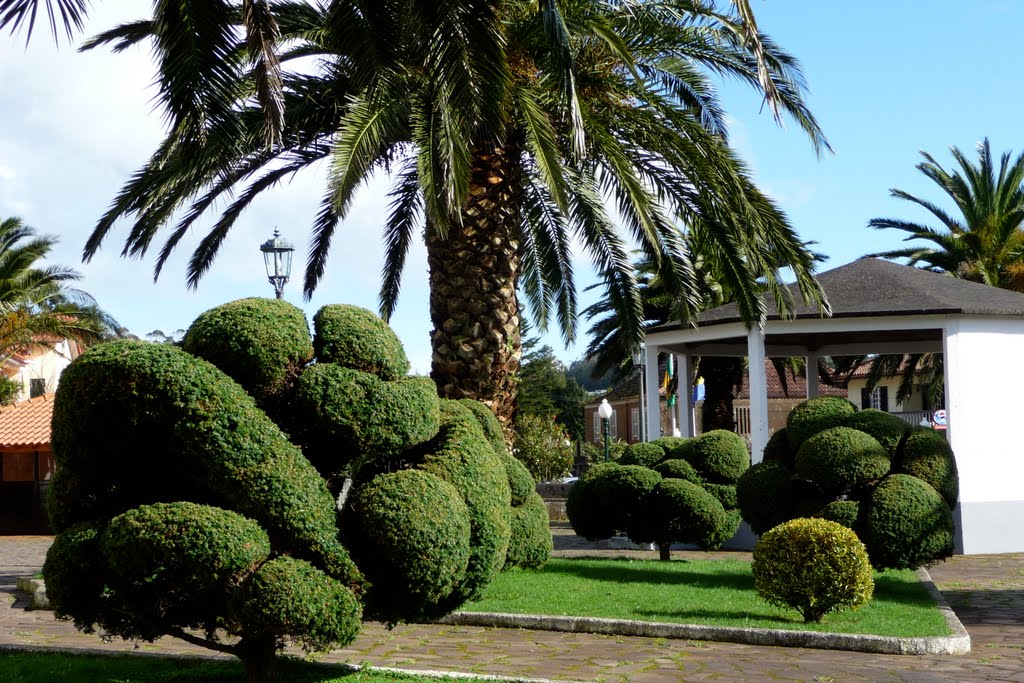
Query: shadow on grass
[(708, 616), (653, 572)]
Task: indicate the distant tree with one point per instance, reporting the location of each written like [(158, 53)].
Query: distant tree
[(584, 371), (161, 337), (546, 389)]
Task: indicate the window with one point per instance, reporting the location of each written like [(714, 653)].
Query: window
[(36, 387), (613, 425), (597, 428), (877, 399), (634, 420)]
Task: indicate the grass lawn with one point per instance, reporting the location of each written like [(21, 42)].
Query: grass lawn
[(708, 592), (35, 667)]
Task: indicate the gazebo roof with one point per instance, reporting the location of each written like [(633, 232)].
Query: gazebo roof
[(872, 287)]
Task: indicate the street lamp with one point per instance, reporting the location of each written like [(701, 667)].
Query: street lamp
[(638, 365), (605, 412), (277, 256)]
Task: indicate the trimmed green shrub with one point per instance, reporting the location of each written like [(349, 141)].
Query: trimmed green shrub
[(724, 493), (409, 532), (845, 512), (682, 449), (927, 456), (816, 415), (624, 491), (531, 542), (670, 443), (814, 566), (585, 505), (719, 456), (543, 446), (355, 338), (462, 457), (683, 512), (352, 416), (887, 429), (520, 482), (777, 449), (840, 459), (678, 469), (187, 554), (765, 495), (907, 524), (291, 598), (262, 344), (74, 572), (642, 453), (488, 423)]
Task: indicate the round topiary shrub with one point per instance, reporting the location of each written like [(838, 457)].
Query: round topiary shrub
[(814, 566), (355, 338), (777, 449), (409, 532), (683, 512), (585, 505), (815, 415), (531, 542), (724, 493), (887, 429), (907, 524), (520, 483), (287, 597), (678, 469), (262, 344), (681, 449), (488, 423), (845, 512), (624, 491), (926, 455), (74, 570), (719, 456), (765, 495), (840, 459), (643, 453), (670, 443)]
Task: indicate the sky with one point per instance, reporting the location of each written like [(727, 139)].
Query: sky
[(885, 80)]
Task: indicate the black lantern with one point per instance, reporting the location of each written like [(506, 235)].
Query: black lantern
[(277, 256)]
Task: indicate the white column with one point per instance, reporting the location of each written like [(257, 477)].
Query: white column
[(653, 402), (684, 408), (758, 394), (812, 375)]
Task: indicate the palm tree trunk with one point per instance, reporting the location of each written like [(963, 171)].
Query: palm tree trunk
[(474, 270), (721, 375)]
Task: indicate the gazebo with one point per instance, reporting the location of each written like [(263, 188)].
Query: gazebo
[(883, 307)]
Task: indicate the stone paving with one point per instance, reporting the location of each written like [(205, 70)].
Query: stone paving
[(987, 593)]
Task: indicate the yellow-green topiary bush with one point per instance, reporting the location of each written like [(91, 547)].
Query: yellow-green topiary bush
[(814, 566)]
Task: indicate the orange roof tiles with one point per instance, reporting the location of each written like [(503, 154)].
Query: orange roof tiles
[(26, 424)]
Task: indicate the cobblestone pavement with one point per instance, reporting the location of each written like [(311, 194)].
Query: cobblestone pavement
[(986, 591)]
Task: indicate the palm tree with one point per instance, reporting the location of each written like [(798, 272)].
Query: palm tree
[(506, 127), (37, 306), (985, 243)]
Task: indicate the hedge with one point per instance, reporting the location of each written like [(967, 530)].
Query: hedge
[(677, 468), (907, 524), (719, 456), (488, 423), (815, 415), (531, 544), (642, 453), (887, 429), (840, 459), (355, 338), (926, 455), (765, 495)]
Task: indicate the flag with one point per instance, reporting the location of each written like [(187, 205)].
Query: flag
[(669, 384)]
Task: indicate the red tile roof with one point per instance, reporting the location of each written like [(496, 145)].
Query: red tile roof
[(26, 424)]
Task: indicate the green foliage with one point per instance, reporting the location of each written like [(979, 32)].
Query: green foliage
[(9, 390), (355, 338), (814, 566), (840, 459), (765, 495), (410, 534), (670, 443), (586, 505), (262, 344), (645, 454), (887, 429), (543, 446), (462, 456), (777, 449), (624, 490), (927, 456), (845, 512), (719, 456), (541, 377), (287, 597), (815, 415), (683, 512), (350, 415), (488, 423), (74, 573), (724, 494), (595, 451), (908, 524), (520, 482), (531, 542), (677, 468)]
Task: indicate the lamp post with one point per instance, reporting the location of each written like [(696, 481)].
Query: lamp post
[(605, 412), (277, 257), (638, 365)]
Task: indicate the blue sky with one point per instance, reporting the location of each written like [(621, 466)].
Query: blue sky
[(886, 79)]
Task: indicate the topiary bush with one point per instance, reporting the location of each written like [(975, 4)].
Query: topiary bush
[(845, 512), (683, 512), (719, 456), (907, 524), (814, 566), (643, 453), (777, 449), (585, 505), (670, 443), (355, 338), (764, 495), (531, 542), (488, 423), (840, 459), (887, 429), (520, 483), (926, 455), (678, 469), (816, 415), (724, 494)]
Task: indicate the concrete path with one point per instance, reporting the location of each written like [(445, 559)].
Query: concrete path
[(987, 593)]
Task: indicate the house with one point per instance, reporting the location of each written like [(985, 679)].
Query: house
[(26, 464), (624, 398), (38, 367), (882, 397)]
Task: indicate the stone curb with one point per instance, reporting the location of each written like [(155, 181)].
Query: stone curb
[(35, 588), (956, 644)]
